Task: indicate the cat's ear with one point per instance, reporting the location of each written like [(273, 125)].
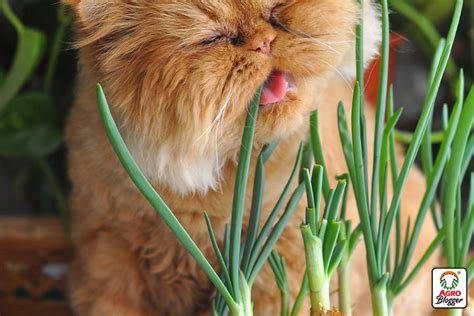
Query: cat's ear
[(372, 39)]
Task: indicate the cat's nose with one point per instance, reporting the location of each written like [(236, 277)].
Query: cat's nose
[(262, 42)]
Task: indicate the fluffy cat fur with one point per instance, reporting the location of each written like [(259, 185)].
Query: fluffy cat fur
[(179, 75)]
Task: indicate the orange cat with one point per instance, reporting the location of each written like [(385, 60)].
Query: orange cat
[(179, 75)]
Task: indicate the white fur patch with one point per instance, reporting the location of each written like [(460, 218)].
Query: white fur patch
[(181, 172), (372, 39)]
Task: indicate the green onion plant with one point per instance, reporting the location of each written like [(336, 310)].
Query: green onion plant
[(318, 186), (378, 214), (277, 263), (240, 261), (323, 244), (278, 266), (458, 230)]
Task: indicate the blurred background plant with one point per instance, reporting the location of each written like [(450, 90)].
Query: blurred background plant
[(37, 70), (421, 23)]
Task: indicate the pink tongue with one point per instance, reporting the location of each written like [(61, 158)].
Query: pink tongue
[(274, 89)]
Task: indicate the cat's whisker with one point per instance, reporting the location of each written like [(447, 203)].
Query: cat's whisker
[(340, 42), (219, 129), (218, 117), (338, 72), (301, 34), (216, 146), (217, 123)]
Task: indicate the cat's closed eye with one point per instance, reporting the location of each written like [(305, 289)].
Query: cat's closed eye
[(214, 38), (218, 37)]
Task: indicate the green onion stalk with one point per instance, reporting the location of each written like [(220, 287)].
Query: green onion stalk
[(377, 213), (259, 243), (318, 280), (346, 235), (318, 187), (324, 247), (343, 271), (344, 282), (278, 265)]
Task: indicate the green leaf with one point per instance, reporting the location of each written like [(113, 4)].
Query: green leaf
[(420, 131), (467, 225), (27, 127), (307, 161), (257, 203), (468, 154), (453, 170), (311, 220), (278, 265), (431, 249), (240, 190), (295, 311), (383, 181), (345, 136), (267, 226), (345, 177), (274, 262), (381, 106), (433, 179), (214, 310), (337, 257), (35, 142), (328, 204), (26, 110), (359, 186), (470, 269), (218, 253), (426, 145), (329, 242), (155, 200), (355, 238), (28, 55), (336, 200), (277, 230), (317, 185), (383, 210), (318, 150), (309, 189)]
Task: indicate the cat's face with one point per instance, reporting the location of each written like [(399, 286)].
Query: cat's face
[(180, 73)]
